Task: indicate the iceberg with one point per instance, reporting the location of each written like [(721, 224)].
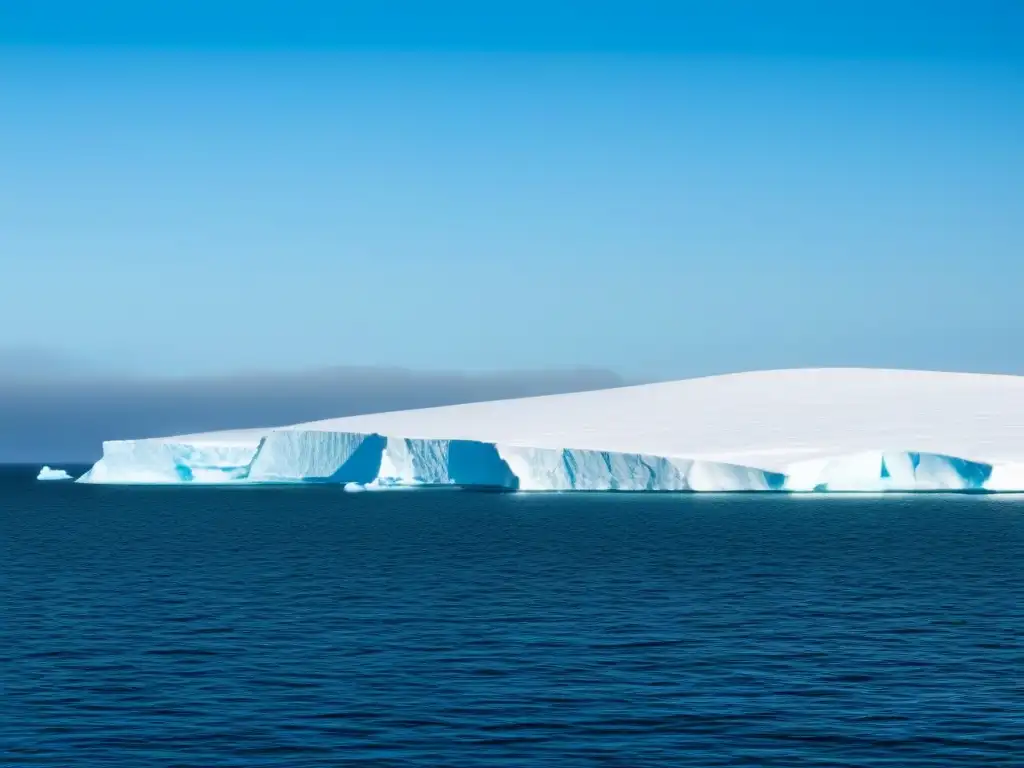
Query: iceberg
[(800, 430), (48, 473)]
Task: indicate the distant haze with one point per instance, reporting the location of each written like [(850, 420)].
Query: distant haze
[(57, 408), (51, 414)]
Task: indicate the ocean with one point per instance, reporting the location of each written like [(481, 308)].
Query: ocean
[(306, 626)]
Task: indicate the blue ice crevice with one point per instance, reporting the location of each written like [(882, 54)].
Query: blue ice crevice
[(469, 463)]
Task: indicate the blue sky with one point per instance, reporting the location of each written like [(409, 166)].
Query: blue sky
[(663, 189)]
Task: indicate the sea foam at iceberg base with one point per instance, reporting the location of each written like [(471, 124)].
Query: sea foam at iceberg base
[(851, 430)]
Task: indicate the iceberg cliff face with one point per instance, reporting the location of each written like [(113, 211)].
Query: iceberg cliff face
[(316, 456), (803, 430)]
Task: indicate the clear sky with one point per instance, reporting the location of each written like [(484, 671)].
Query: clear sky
[(663, 189)]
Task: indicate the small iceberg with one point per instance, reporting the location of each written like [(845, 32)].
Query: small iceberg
[(47, 473)]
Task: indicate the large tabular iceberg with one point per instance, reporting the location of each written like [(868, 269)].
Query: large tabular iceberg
[(792, 430)]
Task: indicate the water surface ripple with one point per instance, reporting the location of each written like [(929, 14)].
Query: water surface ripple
[(308, 627)]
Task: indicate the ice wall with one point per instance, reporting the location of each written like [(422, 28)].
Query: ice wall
[(889, 471), (315, 456), (162, 461)]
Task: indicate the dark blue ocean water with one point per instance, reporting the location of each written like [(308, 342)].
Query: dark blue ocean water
[(309, 627)]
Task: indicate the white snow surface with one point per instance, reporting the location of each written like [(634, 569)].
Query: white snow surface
[(831, 429), (49, 473)]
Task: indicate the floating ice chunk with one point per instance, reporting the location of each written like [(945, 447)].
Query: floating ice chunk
[(48, 473)]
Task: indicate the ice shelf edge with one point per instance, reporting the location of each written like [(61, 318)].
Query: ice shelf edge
[(369, 459)]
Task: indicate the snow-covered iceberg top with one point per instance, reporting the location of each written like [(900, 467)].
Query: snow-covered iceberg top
[(49, 473), (791, 430)]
